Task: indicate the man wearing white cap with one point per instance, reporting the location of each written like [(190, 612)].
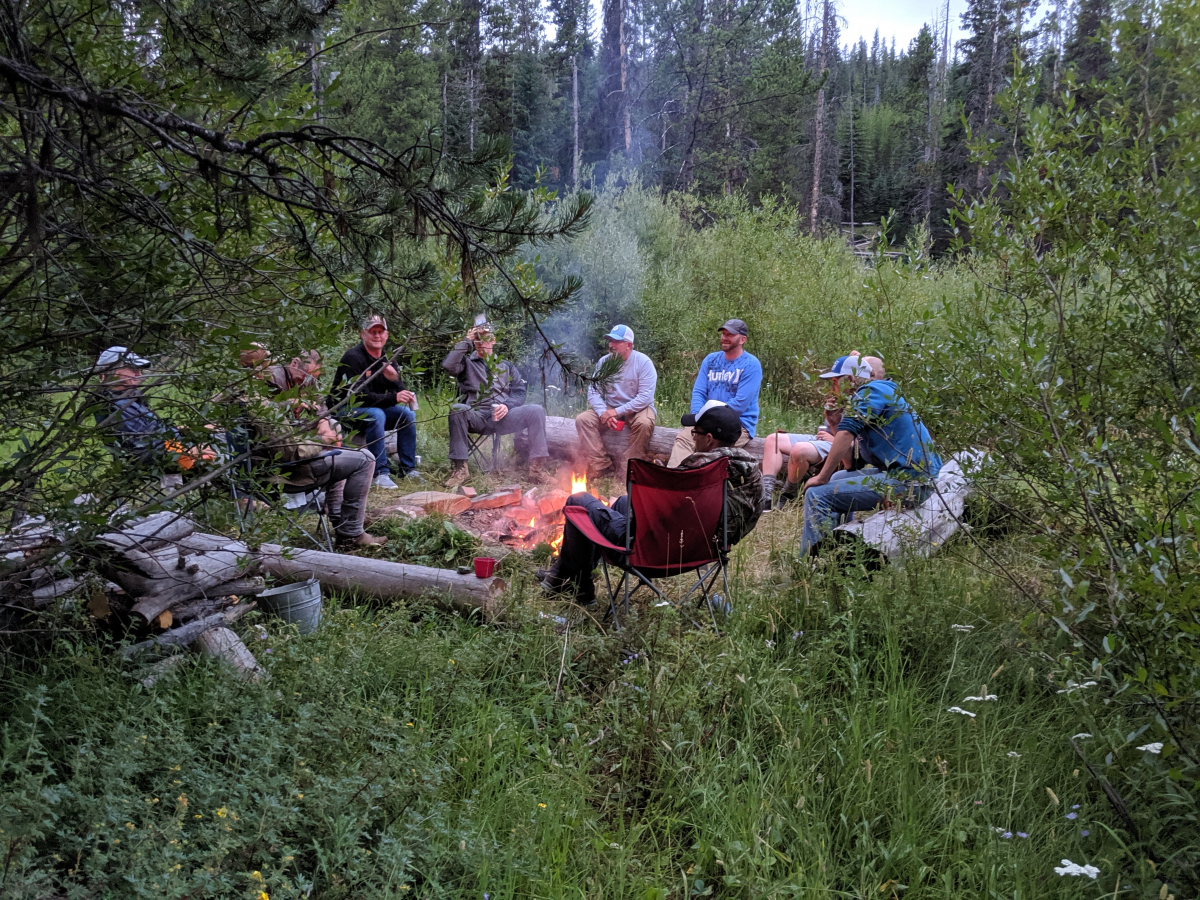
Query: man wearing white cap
[(625, 403), (136, 428)]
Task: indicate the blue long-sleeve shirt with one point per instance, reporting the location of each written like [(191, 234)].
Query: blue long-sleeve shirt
[(889, 432), (734, 382)]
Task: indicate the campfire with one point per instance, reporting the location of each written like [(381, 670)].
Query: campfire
[(539, 517)]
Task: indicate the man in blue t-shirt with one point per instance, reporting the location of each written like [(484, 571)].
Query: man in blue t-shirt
[(731, 376), (902, 465)]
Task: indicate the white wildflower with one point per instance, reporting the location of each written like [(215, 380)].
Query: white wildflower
[(980, 699), (1072, 686), (1013, 754), (1082, 736), (965, 629), (1156, 747), (1070, 868), (664, 603), (959, 709)]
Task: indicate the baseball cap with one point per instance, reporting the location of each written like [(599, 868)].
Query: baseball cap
[(120, 356), (848, 365), (722, 422), (371, 321), (735, 326), (689, 420), (621, 333)]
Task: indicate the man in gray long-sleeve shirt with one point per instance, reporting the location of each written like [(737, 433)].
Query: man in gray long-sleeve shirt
[(626, 403), (491, 400)]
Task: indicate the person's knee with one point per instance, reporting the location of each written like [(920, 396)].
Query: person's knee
[(587, 417)]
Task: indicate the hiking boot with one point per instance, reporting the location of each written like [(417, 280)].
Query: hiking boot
[(594, 473), (458, 475), (539, 470), (790, 494), (384, 481), (360, 541)]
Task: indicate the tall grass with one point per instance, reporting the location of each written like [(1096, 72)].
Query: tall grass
[(808, 751)]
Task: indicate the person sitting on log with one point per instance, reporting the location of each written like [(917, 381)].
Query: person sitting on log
[(901, 462), (627, 399), (804, 453), (730, 375), (491, 400), (715, 432), (307, 432), (380, 401), (134, 428)]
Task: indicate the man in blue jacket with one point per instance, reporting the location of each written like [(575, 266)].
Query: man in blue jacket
[(732, 376), (902, 465)]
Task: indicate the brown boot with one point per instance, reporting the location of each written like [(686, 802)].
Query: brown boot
[(458, 475), (539, 470), (360, 541)]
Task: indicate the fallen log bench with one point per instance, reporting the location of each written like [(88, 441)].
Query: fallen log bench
[(563, 441)]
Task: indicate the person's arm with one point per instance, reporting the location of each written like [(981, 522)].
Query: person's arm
[(747, 387), (456, 360), (700, 388), (380, 390), (595, 396), (517, 388), (839, 455), (647, 382)]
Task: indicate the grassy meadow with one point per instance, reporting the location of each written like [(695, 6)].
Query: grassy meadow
[(822, 745)]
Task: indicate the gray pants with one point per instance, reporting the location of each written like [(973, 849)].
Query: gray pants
[(346, 479), (529, 418)]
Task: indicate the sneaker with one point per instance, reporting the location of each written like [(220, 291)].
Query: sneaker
[(361, 540), (385, 481), (458, 475), (413, 474)]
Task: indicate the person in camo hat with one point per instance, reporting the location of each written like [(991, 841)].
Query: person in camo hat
[(730, 375), (625, 403), (715, 430)]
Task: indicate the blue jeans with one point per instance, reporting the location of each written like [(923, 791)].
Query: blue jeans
[(375, 423), (826, 505)]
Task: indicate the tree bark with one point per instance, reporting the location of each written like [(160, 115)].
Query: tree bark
[(820, 126)]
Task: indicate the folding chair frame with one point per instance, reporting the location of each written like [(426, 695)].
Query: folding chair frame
[(706, 573), (250, 490), (476, 441)]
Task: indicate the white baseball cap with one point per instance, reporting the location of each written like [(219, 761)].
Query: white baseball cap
[(848, 365), (621, 333), (120, 356)]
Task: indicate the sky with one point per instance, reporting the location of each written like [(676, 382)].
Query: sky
[(901, 19)]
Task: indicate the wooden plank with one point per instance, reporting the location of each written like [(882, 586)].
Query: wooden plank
[(438, 501), (505, 496)]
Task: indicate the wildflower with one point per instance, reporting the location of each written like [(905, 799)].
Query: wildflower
[(541, 806), (1156, 747), (1072, 815), (959, 709), (980, 699), (1072, 686), (1022, 834), (1070, 868), (262, 895), (796, 634), (268, 651), (1006, 835), (1075, 806), (1013, 754), (770, 644), (222, 813), (256, 875), (963, 629), (663, 603), (1084, 832), (1082, 736)]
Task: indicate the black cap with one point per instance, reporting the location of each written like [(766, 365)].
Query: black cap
[(718, 420), (735, 326)]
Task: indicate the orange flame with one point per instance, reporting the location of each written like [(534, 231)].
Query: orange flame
[(578, 483), (533, 521)]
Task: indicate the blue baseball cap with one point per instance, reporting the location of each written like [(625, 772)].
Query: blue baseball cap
[(848, 365), (621, 333)]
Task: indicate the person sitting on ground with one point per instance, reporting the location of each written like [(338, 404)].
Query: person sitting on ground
[(730, 375), (626, 401), (134, 427), (378, 402), (491, 400), (804, 453), (715, 431), (306, 433), (902, 464)]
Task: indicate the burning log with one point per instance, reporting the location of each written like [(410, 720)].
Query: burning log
[(505, 496), (563, 441)]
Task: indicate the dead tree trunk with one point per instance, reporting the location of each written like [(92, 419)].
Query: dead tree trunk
[(819, 138)]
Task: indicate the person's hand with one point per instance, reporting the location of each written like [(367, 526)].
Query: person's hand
[(390, 373), (816, 481), (405, 397), (614, 423), (824, 435), (607, 417), (499, 411), (202, 453), (327, 433)]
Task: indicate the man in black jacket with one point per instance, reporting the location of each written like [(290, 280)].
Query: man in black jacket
[(491, 400), (380, 401)]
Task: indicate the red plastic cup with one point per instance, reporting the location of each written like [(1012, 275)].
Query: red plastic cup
[(484, 566), (619, 425)]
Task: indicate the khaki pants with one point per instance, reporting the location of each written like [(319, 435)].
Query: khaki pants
[(685, 446), (639, 427)]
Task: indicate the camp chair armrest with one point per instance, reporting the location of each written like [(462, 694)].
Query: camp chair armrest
[(578, 516)]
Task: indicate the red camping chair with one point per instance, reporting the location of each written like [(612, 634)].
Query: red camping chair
[(681, 527)]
